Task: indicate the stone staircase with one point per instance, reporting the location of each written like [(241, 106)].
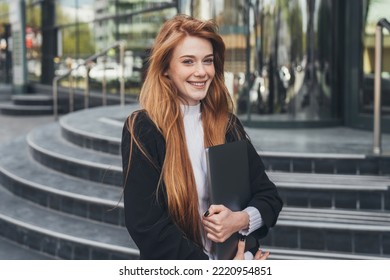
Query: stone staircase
[(40, 101), (334, 213), (62, 200), (60, 196), (29, 104)]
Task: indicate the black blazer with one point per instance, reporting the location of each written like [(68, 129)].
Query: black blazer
[(146, 213)]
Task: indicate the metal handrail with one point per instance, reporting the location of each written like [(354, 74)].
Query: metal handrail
[(121, 45), (382, 23)]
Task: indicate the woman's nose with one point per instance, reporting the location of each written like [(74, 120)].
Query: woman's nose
[(200, 70)]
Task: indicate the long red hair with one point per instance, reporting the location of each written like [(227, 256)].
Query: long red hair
[(160, 99)]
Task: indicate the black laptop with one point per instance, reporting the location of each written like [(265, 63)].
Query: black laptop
[(228, 178)]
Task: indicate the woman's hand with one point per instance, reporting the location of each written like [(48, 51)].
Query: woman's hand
[(241, 252), (220, 222)]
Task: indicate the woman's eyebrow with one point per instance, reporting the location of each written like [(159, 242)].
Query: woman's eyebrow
[(193, 56)]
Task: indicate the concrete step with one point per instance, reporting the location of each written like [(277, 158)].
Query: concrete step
[(24, 177), (32, 99), (61, 235), (14, 251), (100, 130), (48, 148), (25, 110), (102, 127), (327, 230), (326, 163), (295, 254), (32, 104), (333, 191), (326, 218)]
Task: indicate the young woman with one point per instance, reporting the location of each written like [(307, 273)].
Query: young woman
[(186, 108)]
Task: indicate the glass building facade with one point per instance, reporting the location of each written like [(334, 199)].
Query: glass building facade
[(289, 63)]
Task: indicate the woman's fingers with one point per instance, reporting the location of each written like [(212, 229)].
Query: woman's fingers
[(221, 222), (214, 209), (260, 255), (240, 249)]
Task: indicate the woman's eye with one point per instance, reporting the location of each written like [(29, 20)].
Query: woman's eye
[(187, 61), (209, 61)]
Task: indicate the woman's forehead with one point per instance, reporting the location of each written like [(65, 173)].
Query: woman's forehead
[(193, 46)]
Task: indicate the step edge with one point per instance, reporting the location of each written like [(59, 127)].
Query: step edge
[(88, 134), (335, 226), (311, 155), (31, 107), (67, 237), (305, 185), (331, 254), (59, 156), (59, 192), (334, 211)]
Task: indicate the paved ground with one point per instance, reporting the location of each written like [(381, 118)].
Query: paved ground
[(13, 126), (334, 140)]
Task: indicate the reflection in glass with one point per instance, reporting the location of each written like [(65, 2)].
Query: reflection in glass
[(280, 56), (87, 27), (293, 75)]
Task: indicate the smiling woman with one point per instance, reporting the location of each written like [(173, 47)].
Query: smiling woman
[(186, 108)]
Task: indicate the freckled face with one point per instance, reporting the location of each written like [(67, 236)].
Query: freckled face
[(191, 68)]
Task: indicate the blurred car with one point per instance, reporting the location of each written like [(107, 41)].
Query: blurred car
[(110, 71)]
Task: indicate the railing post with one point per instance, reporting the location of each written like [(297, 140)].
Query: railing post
[(86, 91), (377, 148), (104, 83), (122, 70), (71, 93), (55, 99)]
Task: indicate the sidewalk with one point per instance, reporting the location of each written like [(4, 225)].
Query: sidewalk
[(14, 126), (331, 140)]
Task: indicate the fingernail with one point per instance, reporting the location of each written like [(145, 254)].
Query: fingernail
[(207, 213), (242, 237)]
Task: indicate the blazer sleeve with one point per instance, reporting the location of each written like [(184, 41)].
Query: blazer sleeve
[(265, 196), (146, 214)]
